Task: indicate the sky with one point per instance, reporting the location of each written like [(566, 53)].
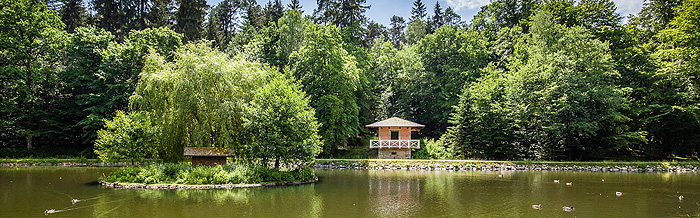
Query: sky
[(381, 11)]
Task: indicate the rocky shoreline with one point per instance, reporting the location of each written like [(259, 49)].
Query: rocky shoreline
[(495, 166), (71, 164), (218, 186)]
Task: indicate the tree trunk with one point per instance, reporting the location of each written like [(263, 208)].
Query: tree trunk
[(30, 142), (277, 163)]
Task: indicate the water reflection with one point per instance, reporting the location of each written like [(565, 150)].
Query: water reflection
[(393, 193), (362, 193)]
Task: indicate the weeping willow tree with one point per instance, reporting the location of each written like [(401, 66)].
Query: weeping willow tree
[(199, 99)]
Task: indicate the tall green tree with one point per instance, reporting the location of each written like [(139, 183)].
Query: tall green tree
[(330, 77), (396, 32), (451, 17), (223, 22), (190, 19), (31, 41), (73, 14), (397, 73), (253, 14), (272, 12), (418, 12), (415, 31), (122, 63), (282, 125), (292, 28), (655, 16), (342, 13), (373, 31), (294, 5), (84, 84), (452, 58), (201, 97), (504, 13), (120, 17), (675, 110), (556, 101), (437, 19)]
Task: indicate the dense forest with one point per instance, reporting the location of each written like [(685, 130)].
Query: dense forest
[(523, 79)]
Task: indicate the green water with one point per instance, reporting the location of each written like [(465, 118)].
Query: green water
[(28, 192)]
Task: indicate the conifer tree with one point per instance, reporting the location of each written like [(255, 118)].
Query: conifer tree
[(418, 12), (190, 19)]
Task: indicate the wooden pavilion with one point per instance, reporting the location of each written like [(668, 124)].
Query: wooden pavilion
[(395, 140)]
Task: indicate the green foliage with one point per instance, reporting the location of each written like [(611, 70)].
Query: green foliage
[(330, 77), (436, 149), (282, 124), (292, 32), (31, 42), (124, 174), (205, 175), (121, 65), (128, 137), (673, 115), (120, 18), (556, 100), (200, 97), (83, 84), (546, 94), (452, 58), (399, 73), (190, 19), (415, 31), (206, 99)]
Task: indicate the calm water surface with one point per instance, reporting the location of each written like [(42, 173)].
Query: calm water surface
[(27, 192)]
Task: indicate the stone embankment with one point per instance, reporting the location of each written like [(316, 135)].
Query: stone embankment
[(69, 164), (497, 166), (219, 186)]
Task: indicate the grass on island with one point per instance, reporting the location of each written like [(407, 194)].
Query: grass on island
[(207, 175)]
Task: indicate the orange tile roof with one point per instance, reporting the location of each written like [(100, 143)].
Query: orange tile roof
[(395, 121)]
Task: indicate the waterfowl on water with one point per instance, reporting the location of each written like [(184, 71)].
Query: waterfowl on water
[(568, 209), (603, 180), (680, 198), (569, 183), (556, 181), (618, 194), (537, 206), (50, 211), (74, 201), (500, 176)]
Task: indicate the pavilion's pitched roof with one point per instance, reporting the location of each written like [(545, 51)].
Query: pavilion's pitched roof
[(395, 121)]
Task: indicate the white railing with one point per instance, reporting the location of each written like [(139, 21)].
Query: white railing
[(394, 144)]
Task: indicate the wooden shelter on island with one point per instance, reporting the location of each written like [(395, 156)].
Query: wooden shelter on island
[(208, 156), (395, 140)]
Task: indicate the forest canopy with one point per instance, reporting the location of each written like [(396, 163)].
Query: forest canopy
[(523, 79)]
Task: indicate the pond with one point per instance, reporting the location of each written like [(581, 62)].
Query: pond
[(28, 192)]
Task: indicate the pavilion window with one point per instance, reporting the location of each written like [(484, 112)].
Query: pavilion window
[(394, 135)]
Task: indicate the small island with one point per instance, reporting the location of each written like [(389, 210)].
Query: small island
[(198, 110), (182, 176)]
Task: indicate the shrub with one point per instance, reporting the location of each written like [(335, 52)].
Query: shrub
[(124, 174), (435, 149), (151, 174), (127, 137), (303, 173), (201, 175)]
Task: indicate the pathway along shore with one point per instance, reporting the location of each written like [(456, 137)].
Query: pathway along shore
[(478, 165)]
